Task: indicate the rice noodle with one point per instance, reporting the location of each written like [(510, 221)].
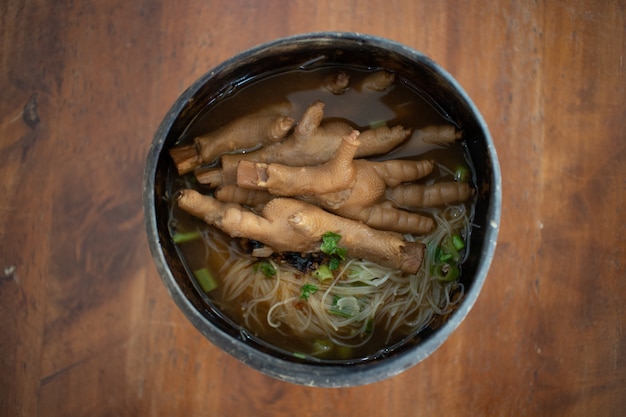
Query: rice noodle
[(386, 300)]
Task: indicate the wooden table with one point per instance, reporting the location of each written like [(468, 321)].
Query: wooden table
[(87, 328)]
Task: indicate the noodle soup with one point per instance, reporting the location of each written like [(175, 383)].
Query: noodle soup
[(325, 305)]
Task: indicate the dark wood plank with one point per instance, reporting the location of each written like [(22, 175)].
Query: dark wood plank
[(87, 327)]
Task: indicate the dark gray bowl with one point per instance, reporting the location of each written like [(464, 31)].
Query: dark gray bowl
[(296, 52)]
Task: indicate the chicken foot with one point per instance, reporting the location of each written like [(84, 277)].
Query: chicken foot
[(378, 81), (391, 214), (367, 200), (416, 195), (312, 142), (266, 126), (244, 196), (337, 83), (288, 224), (334, 175), (363, 199), (439, 134)]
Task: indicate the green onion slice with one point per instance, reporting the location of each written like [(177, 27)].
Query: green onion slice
[(205, 279), (182, 237)]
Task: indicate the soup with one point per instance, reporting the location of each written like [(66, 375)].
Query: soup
[(384, 262)]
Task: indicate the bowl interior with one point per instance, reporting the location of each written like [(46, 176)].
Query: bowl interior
[(310, 51)]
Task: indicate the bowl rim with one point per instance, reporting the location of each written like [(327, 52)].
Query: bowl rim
[(311, 374)]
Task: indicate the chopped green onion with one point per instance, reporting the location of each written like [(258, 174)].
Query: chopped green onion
[(448, 273), (457, 242), (369, 326), (448, 251), (337, 312), (461, 174), (179, 238), (374, 124), (299, 355), (307, 290), (323, 273), (444, 257), (205, 279), (345, 307)]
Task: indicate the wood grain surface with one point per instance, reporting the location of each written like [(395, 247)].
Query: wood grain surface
[(87, 328)]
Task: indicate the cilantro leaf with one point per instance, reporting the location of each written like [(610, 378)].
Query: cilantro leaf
[(333, 263), (307, 290), (330, 246), (265, 267)]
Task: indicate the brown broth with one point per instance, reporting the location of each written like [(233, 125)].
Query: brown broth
[(398, 105)]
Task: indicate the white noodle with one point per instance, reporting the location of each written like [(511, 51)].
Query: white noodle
[(385, 298)]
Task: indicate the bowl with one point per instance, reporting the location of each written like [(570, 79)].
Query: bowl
[(306, 51)]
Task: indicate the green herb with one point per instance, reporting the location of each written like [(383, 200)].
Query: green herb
[(299, 355), (266, 267), (333, 263), (323, 273), (307, 290), (369, 326), (330, 245), (179, 238), (205, 279)]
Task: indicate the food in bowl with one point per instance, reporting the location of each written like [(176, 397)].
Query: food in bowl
[(326, 212)]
